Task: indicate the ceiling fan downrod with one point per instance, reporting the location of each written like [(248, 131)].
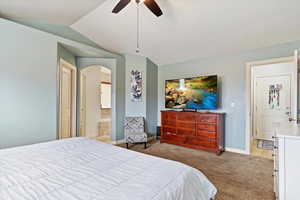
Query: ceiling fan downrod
[(137, 26), (150, 4)]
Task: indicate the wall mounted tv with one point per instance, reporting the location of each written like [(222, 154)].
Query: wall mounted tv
[(192, 93)]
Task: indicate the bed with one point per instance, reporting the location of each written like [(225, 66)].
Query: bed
[(85, 169)]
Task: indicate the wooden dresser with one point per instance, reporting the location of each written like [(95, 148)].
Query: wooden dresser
[(197, 130)]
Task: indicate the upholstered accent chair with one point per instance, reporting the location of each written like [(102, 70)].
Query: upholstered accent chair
[(134, 128)]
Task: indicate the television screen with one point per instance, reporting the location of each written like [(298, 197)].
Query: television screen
[(192, 93)]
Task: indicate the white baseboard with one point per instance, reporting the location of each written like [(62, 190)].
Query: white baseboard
[(118, 141), (123, 141), (234, 150), (240, 151)]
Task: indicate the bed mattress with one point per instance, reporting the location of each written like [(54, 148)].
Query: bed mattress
[(85, 169)]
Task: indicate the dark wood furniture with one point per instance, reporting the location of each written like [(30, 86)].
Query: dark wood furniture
[(197, 130)]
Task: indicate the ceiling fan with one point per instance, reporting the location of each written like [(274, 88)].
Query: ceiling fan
[(151, 4)]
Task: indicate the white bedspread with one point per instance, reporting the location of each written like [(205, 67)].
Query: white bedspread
[(84, 169)]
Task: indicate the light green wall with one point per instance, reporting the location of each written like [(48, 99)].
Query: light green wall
[(134, 62), (120, 97), (59, 30), (232, 75), (152, 89), (147, 108), (66, 55), (28, 83)]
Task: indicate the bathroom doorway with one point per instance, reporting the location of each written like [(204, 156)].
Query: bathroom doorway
[(95, 103)]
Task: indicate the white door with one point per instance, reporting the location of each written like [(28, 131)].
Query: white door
[(66, 102), (82, 104), (272, 104)]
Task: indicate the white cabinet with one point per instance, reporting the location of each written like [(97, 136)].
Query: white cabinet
[(287, 167)]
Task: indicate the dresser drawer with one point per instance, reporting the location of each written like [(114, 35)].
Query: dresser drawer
[(187, 116), (171, 116), (206, 119), (169, 122), (189, 125), (186, 131), (202, 142), (206, 134), (207, 127), (173, 138), (197, 130), (169, 130)]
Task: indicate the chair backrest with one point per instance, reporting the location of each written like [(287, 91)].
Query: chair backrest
[(134, 125)]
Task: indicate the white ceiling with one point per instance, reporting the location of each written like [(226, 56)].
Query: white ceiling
[(48, 11), (188, 29), (194, 28)]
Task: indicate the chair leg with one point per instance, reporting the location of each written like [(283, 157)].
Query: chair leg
[(145, 145), (127, 145)]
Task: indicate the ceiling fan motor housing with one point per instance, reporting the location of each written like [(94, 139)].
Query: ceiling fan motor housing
[(150, 4)]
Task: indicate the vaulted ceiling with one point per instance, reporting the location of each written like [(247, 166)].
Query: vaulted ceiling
[(188, 29), (48, 11)]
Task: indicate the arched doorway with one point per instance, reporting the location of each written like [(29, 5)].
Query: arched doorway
[(96, 103)]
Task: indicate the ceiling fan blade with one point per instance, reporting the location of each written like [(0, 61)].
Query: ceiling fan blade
[(122, 4), (153, 6)]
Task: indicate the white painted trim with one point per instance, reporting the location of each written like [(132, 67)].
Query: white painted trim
[(119, 141), (74, 96), (123, 141), (229, 149), (248, 94), (233, 150), (82, 114)]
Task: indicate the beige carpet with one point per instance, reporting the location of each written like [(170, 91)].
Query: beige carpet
[(236, 176)]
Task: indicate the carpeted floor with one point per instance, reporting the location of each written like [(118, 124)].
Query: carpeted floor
[(236, 176)]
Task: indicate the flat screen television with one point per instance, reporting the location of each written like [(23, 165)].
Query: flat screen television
[(192, 93)]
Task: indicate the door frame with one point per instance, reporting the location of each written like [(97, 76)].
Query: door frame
[(74, 95), (249, 93), (82, 92)]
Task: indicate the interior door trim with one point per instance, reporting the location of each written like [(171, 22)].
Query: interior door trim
[(74, 90), (249, 88)]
